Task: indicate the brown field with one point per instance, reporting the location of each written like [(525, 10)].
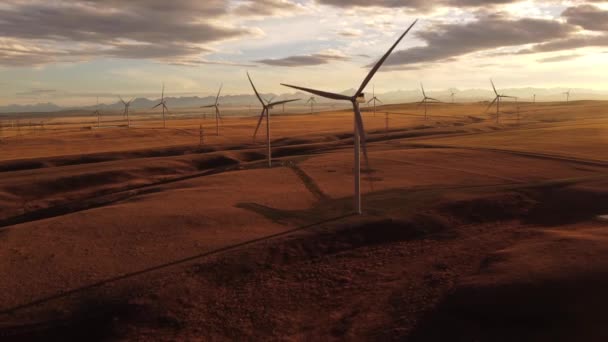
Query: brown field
[(473, 230)]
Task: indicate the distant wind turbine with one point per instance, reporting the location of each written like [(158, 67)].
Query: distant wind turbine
[(497, 100), (163, 103), (266, 107), (567, 95), (216, 105), (312, 102), (359, 130), (425, 101), (452, 94), (374, 100), (126, 112), (97, 113)]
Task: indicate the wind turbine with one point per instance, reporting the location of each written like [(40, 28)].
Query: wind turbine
[(452, 94), (98, 113), (355, 100), (497, 100), (567, 95), (374, 100), (126, 112), (216, 105), (312, 102), (425, 100), (163, 103), (266, 107)]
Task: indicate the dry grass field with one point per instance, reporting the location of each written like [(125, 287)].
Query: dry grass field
[(473, 229)]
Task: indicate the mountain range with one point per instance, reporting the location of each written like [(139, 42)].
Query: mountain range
[(399, 96)]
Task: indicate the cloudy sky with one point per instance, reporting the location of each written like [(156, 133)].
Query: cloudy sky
[(71, 51)]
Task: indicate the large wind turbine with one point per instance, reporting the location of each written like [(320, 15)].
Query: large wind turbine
[(163, 103), (126, 112), (266, 107), (497, 100), (355, 100), (374, 100), (567, 95), (425, 100), (216, 105), (312, 102)]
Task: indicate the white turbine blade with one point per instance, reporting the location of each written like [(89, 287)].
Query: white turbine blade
[(259, 123), (121, 100), (377, 99), (209, 106), (256, 91), (381, 61), (320, 93), (430, 98), (157, 105), (372, 99), (162, 94), (423, 92)]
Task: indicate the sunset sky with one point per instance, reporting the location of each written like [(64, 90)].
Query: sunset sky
[(69, 52)]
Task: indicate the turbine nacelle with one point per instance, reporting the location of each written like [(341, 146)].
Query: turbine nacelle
[(360, 98)]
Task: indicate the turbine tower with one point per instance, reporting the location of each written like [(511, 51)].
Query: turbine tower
[(534, 98), (497, 100), (425, 101), (266, 107), (163, 103), (126, 112), (359, 130), (567, 95), (374, 100), (216, 105), (312, 102), (452, 94)]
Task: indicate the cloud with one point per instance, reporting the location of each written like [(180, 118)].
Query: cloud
[(265, 7), (574, 42), (37, 92), (306, 60), (445, 42), (350, 32), (419, 5), (587, 16), (561, 58), (142, 29)]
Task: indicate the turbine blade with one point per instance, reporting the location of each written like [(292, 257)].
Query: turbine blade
[(218, 93), (494, 87), (157, 105), (381, 61), (423, 92), (430, 98), (377, 99), (370, 100), (362, 135), (491, 104), (121, 100), (209, 106), (320, 93), (256, 91), (281, 102), (259, 123)]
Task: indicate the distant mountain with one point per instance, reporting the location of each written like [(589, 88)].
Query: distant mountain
[(40, 107), (400, 96)]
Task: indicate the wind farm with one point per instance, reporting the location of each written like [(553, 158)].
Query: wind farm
[(448, 224)]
